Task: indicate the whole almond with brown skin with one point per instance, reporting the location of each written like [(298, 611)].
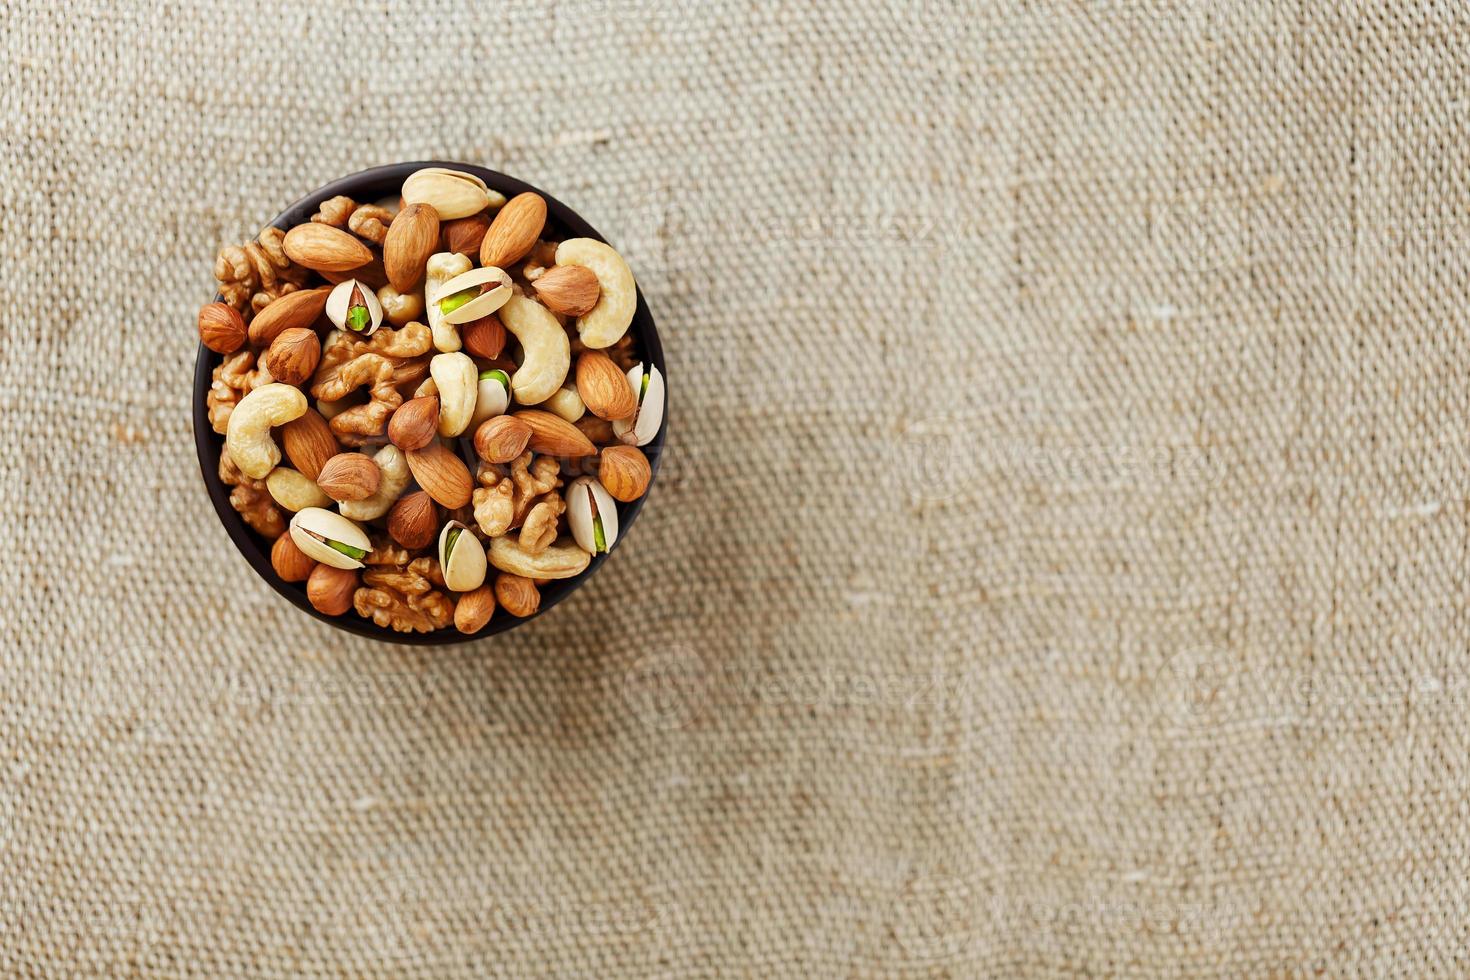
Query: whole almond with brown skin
[(350, 476), (624, 472), (370, 275), (474, 610), (502, 438), (553, 435), (221, 327), (414, 423), (330, 590), (324, 248), (514, 231), (442, 475), (484, 337), (289, 561), (517, 596), (464, 235), (604, 387), (309, 443), (299, 309), (293, 355), (414, 520), (412, 238), (571, 290)]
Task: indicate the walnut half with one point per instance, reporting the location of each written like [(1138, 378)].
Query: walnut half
[(405, 599)]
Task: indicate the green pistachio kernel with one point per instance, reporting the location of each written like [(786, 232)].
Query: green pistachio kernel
[(357, 318), (497, 375), (449, 304), (347, 549), (598, 538)]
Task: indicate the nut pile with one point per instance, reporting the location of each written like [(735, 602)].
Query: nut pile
[(432, 409)]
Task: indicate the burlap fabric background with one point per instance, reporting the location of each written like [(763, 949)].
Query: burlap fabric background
[(1058, 569)]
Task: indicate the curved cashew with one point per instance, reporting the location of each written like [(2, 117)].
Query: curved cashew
[(294, 490), (394, 469), (248, 434), (547, 352), (609, 319), (561, 560), (442, 267), (457, 383)]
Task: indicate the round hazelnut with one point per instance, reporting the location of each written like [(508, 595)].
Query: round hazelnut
[(221, 327), (330, 590), (293, 355)]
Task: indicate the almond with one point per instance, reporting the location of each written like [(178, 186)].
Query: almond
[(571, 290), (324, 248), (412, 238), (415, 423), (553, 435), (502, 438), (309, 443), (604, 387), (350, 476), (442, 475), (474, 609), (370, 275), (221, 327), (414, 521), (484, 337), (330, 590), (293, 355), (299, 309), (514, 231), (289, 561), (464, 235), (518, 596), (624, 472)]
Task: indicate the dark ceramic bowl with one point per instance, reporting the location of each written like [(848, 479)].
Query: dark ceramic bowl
[(372, 185)]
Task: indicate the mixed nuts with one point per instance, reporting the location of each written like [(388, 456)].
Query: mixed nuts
[(429, 407)]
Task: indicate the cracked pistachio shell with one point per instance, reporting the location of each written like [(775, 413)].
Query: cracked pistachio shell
[(498, 282), (337, 305), (492, 397), (452, 193), (464, 566), (581, 495), (645, 423), (312, 524)]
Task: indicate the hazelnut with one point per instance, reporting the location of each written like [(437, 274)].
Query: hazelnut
[(625, 472), (464, 235), (502, 438), (349, 476), (414, 423), (571, 290), (289, 561), (330, 590), (221, 327), (293, 355), (484, 337), (414, 521)]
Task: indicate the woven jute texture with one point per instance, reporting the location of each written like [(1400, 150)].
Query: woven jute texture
[(1058, 566)]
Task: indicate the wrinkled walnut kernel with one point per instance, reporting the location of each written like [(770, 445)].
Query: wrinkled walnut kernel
[(405, 599)]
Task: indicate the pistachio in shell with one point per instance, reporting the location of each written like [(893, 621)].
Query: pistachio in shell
[(461, 557), (472, 295), (353, 307), (644, 425), (492, 397), (329, 538), (592, 514)]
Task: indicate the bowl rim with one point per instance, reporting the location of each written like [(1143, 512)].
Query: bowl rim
[(209, 444)]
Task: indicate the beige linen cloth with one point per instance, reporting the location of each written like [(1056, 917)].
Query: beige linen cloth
[(1058, 568)]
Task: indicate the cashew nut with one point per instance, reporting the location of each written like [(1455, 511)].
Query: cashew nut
[(248, 434), (562, 560), (395, 477), (442, 267), (567, 403), (547, 352), (401, 308), (294, 490), (457, 383), (609, 319)]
